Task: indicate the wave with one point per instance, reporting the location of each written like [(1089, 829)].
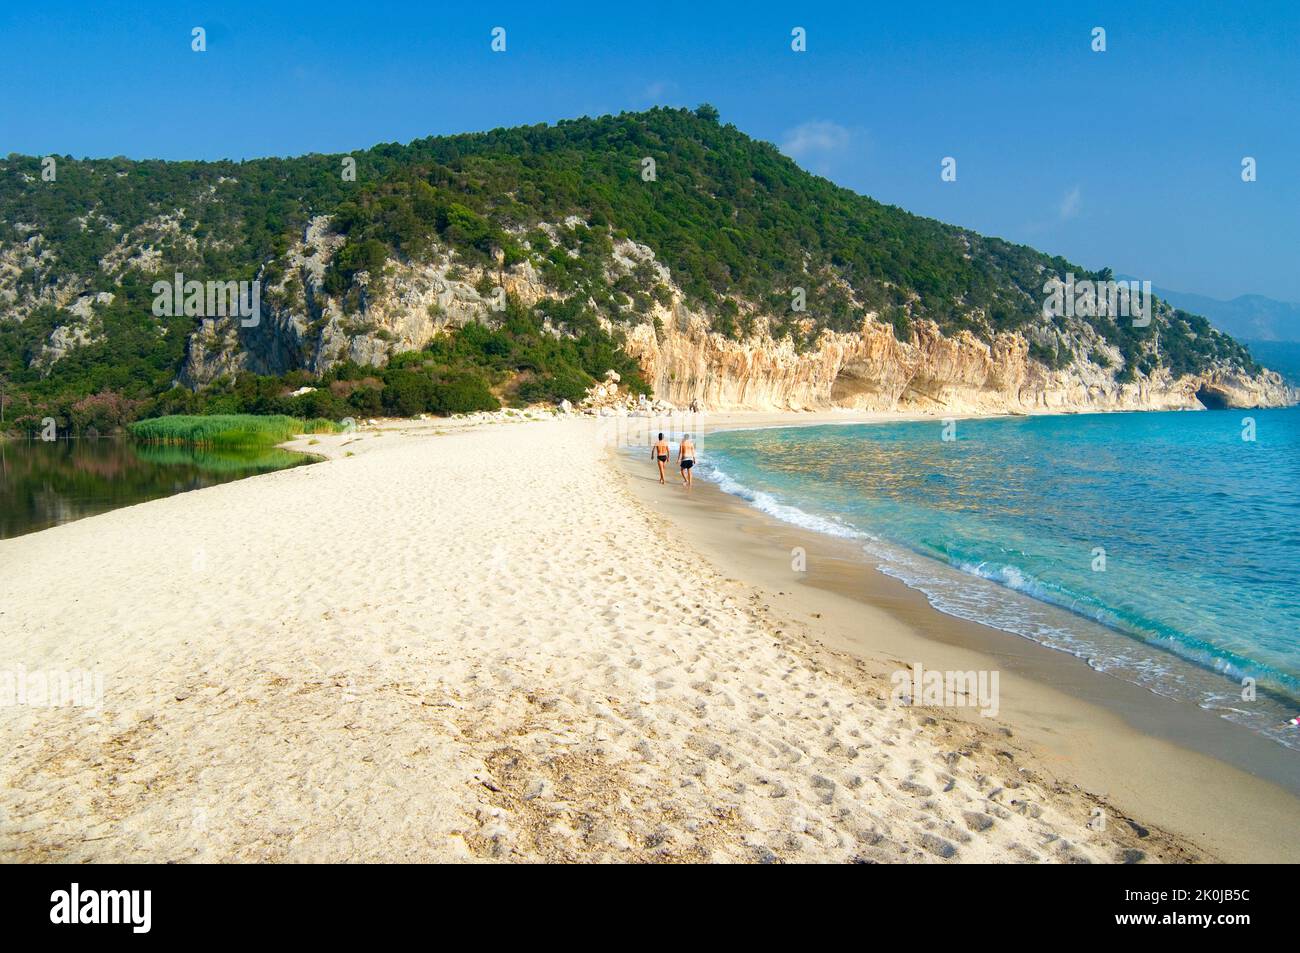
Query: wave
[(1150, 631), (1018, 602), (770, 505)]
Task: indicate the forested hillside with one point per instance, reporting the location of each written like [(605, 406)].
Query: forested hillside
[(737, 226)]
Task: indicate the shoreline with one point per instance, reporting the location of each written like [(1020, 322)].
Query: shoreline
[(1166, 762), (1276, 707), (441, 645)]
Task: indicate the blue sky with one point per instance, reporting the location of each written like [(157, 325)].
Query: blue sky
[(1129, 158)]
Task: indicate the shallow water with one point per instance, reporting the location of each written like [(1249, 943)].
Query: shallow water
[(45, 484), (1167, 536)]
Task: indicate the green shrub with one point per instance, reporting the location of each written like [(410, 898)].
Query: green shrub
[(568, 385), (902, 325), (367, 400), (463, 394), (407, 392)]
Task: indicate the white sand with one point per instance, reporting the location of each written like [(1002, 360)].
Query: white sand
[(457, 646)]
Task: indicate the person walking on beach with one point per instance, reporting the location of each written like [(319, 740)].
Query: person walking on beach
[(659, 453), (686, 457)]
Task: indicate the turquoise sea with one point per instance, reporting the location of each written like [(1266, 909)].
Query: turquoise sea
[(1162, 547)]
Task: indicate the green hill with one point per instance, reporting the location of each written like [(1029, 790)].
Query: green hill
[(738, 225)]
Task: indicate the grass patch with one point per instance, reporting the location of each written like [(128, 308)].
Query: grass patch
[(227, 430)]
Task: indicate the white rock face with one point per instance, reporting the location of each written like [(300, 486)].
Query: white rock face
[(304, 326), (77, 333), (686, 364), (872, 370)]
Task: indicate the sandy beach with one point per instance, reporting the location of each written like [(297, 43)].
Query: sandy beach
[(500, 642)]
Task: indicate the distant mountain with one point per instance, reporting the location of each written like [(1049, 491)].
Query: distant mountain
[(1268, 327), (1281, 356), (1246, 317)]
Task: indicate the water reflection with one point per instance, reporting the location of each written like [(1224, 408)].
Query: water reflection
[(46, 484)]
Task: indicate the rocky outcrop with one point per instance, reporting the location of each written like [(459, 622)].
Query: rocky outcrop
[(26, 280), (302, 326), (874, 370), (1228, 387), (79, 331)]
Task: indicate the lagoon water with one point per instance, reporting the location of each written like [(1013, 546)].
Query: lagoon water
[(46, 484), (1161, 547)]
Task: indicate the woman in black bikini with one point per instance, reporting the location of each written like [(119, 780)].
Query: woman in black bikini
[(659, 452)]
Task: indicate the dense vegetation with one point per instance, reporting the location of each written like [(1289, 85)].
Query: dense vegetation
[(739, 225), (226, 430)]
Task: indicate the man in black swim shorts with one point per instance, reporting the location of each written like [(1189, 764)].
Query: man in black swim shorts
[(686, 457), (659, 453)]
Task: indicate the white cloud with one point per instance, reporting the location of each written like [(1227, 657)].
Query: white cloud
[(818, 138), (1070, 203), (655, 92)]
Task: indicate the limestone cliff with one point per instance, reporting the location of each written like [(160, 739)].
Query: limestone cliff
[(302, 326), (874, 370), (685, 361)]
